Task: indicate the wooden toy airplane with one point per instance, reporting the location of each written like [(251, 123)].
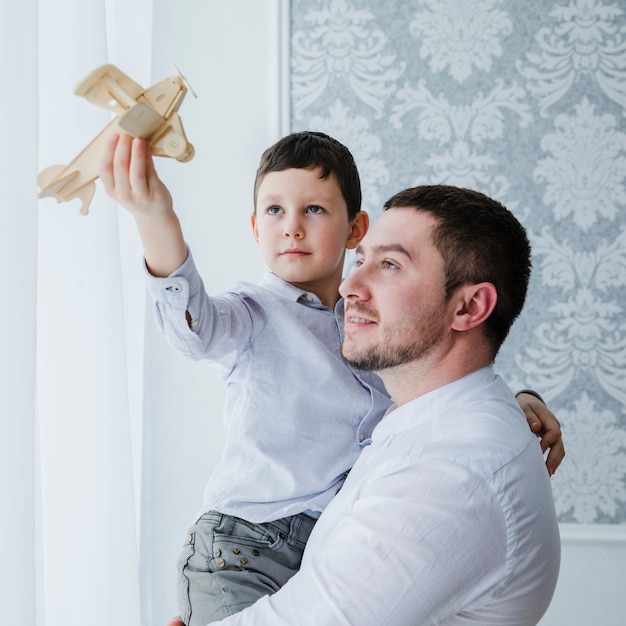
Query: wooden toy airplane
[(147, 113)]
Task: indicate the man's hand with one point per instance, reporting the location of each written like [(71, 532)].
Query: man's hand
[(176, 621), (545, 425)]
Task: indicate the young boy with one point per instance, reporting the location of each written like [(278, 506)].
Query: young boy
[(296, 416)]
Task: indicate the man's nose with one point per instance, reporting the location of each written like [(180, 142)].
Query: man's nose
[(352, 286)]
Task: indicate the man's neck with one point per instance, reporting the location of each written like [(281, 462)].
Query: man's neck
[(412, 380)]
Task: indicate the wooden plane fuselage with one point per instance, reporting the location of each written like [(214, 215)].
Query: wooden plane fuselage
[(151, 114)]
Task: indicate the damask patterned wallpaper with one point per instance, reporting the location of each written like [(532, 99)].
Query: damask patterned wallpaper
[(525, 101)]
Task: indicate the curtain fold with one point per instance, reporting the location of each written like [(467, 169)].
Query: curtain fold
[(18, 259)]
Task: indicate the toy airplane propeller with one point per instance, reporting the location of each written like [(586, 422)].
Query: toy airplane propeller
[(147, 113)]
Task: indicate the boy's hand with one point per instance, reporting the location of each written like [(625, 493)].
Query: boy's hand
[(175, 621), (545, 425), (128, 176)]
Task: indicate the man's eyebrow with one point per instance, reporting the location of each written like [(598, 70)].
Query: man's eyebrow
[(382, 249)]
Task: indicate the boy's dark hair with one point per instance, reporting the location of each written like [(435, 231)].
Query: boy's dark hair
[(310, 150), (479, 241)]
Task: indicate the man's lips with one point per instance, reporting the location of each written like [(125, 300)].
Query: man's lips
[(356, 316), (358, 320)]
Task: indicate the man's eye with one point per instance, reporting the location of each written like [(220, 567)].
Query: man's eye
[(390, 265), (314, 209), (274, 210)]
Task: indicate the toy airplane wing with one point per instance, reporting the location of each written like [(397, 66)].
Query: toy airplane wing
[(141, 120), (108, 87)]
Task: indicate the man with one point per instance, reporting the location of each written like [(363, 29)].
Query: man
[(447, 517)]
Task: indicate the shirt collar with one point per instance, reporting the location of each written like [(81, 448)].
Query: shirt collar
[(450, 395), (286, 290)]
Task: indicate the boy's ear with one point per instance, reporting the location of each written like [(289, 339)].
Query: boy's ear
[(360, 224), (255, 230), (475, 305)]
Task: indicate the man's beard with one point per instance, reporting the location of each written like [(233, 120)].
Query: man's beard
[(393, 349)]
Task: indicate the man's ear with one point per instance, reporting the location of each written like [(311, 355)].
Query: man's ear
[(360, 224), (255, 230), (475, 305)]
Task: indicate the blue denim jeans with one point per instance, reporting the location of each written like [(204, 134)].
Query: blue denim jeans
[(228, 563)]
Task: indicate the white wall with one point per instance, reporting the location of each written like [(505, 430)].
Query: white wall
[(229, 52), (592, 583)]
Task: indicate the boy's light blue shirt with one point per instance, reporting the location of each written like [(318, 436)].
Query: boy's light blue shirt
[(296, 417)]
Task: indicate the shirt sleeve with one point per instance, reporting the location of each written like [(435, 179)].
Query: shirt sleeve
[(414, 546), (195, 324)]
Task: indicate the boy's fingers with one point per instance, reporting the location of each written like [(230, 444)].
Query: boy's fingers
[(129, 176), (121, 163), (555, 456), (534, 423), (140, 166), (106, 163)]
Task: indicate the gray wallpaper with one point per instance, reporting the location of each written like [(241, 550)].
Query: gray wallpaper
[(525, 101)]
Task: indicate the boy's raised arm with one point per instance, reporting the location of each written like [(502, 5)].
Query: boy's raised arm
[(128, 176)]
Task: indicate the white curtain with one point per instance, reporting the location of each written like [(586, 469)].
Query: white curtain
[(18, 258), (72, 330)]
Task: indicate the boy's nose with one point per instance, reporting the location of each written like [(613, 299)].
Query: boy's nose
[(293, 229)]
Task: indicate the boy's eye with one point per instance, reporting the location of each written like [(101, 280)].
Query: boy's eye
[(274, 210), (390, 265), (314, 209)]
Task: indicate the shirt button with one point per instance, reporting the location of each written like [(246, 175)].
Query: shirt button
[(174, 288), (361, 438), (308, 297)]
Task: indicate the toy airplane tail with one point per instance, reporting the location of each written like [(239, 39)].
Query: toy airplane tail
[(52, 183)]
